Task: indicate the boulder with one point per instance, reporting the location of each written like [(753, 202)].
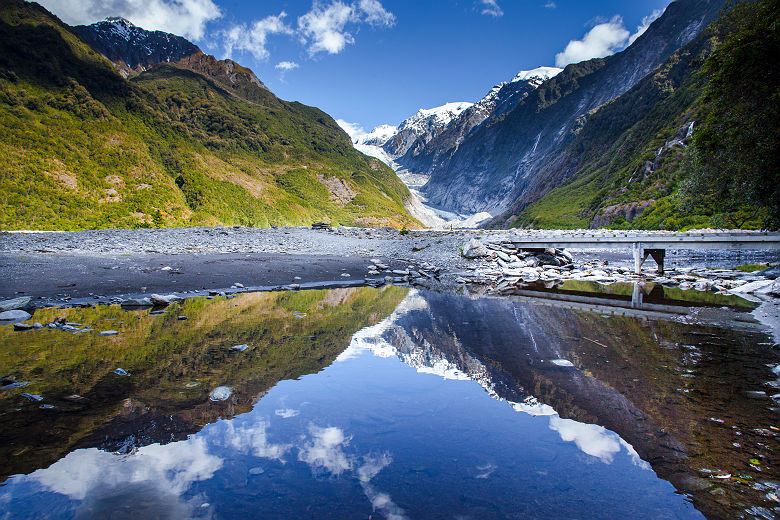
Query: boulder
[(24, 302), (162, 301), (475, 249), (775, 289), (14, 315), (772, 272)]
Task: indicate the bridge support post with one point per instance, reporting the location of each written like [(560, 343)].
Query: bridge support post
[(639, 256)]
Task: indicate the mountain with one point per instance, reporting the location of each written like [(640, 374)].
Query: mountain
[(498, 164), (131, 49), (420, 140), (636, 162), (187, 141)]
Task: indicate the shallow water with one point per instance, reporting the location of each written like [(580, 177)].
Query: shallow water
[(391, 403)]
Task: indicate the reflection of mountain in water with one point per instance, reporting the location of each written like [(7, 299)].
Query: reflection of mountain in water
[(173, 365), (655, 384)]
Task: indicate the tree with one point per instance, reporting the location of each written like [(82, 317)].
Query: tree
[(735, 161)]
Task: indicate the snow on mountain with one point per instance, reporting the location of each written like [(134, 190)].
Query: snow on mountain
[(538, 75), (378, 136)]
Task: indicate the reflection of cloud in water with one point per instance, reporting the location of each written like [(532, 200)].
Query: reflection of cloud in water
[(486, 470), (146, 483), (594, 440), (325, 450), (251, 438), (286, 413)]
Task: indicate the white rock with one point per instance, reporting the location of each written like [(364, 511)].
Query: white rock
[(15, 315), (757, 287)]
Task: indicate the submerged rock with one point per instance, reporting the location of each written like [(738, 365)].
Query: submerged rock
[(121, 372), (220, 393), (239, 348)]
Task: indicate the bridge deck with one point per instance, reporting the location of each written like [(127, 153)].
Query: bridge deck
[(645, 243)]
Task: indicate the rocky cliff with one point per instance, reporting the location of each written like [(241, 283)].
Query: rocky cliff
[(498, 164)]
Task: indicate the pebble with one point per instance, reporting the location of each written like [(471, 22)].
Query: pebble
[(239, 348), (32, 397), (121, 372), (182, 318), (108, 333)]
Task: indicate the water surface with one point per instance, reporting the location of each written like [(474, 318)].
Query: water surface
[(391, 403)]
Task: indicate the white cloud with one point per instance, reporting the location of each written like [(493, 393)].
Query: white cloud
[(491, 7), (550, 5), (646, 21), (324, 28), (603, 40), (354, 130), (186, 18), (254, 38), (606, 38), (375, 14)]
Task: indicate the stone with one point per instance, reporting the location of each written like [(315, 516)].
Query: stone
[(23, 302), (22, 326), (474, 249), (162, 301), (182, 318), (121, 372), (562, 362), (775, 289), (15, 315), (239, 348), (137, 302), (220, 393), (32, 397), (759, 286), (504, 257), (772, 272), (108, 333), (547, 259)]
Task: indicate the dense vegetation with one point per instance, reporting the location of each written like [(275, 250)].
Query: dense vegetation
[(84, 148), (637, 150)]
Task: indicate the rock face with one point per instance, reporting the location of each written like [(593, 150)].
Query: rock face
[(132, 49), (629, 211), (499, 162)]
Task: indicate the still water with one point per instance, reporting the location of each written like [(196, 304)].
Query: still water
[(390, 403)]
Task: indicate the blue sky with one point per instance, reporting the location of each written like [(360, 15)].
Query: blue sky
[(378, 61)]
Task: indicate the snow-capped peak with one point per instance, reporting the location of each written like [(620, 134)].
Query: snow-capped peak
[(427, 119), (539, 74), (378, 136)]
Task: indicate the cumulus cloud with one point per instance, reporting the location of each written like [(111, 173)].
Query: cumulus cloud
[(354, 130), (187, 18), (603, 40), (254, 38), (646, 21), (324, 28), (491, 8)]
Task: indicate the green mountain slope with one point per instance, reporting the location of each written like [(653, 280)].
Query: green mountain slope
[(82, 147), (632, 162)]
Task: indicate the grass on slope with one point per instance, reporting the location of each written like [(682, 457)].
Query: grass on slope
[(84, 148)]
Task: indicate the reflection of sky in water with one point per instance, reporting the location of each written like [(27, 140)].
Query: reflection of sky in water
[(366, 434)]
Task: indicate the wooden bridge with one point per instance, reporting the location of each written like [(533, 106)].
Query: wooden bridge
[(645, 243)]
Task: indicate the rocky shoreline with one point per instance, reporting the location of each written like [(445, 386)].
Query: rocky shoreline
[(115, 265)]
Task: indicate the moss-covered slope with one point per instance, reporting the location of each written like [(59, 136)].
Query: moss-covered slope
[(82, 147)]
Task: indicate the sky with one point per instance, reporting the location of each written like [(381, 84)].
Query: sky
[(372, 62)]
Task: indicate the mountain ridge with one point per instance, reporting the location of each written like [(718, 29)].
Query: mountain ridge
[(86, 148)]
